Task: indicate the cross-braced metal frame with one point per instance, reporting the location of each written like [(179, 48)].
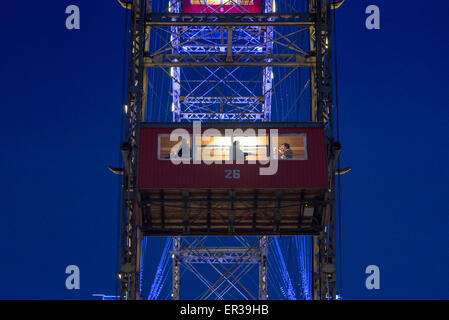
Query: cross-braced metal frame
[(230, 263), (210, 50), (216, 47)]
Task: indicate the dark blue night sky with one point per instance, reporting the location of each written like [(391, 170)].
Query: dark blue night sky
[(61, 100)]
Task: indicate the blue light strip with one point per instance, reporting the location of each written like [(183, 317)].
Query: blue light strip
[(287, 281), (161, 272), (303, 245)]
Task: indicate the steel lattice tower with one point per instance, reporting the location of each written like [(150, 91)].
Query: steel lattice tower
[(207, 57)]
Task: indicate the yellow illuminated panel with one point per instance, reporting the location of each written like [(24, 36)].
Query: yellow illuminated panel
[(213, 148), (252, 148), (220, 148), (256, 148)]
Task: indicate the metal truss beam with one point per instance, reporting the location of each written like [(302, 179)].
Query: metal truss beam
[(230, 19), (268, 70), (222, 60), (197, 116), (324, 251), (220, 255), (193, 49), (231, 263), (175, 73), (321, 74), (218, 100), (131, 233), (214, 44)]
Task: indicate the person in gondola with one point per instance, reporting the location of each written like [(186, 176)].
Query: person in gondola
[(184, 146), (238, 154), (285, 151)]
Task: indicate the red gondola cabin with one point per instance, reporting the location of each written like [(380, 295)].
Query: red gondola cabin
[(232, 178)]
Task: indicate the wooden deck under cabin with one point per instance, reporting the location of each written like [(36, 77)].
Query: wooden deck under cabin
[(173, 212)]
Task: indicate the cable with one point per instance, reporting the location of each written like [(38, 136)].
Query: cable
[(120, 160), (338, 140)]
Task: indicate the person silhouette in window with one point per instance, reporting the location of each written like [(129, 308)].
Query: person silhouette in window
[(238, 154), (285, 151), (184, 147)]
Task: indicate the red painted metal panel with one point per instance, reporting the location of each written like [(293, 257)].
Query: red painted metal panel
[(305, 174), (200, 6)]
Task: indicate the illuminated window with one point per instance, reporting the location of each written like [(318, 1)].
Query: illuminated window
[(174, 148), (240, 147), (254, 148), (212, 148), (222, 2), (291, 147)]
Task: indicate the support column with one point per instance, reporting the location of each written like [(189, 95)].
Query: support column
[(175, 72), (176, 274), (263, 268), (130, 234), (268, 71)]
